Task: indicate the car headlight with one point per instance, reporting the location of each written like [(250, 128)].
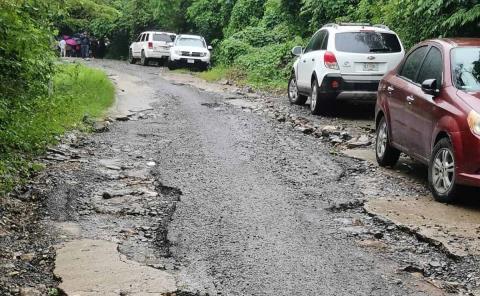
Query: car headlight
[(474, 122), (203, 54)]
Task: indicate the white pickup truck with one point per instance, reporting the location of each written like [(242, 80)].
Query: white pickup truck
[(151, 45)]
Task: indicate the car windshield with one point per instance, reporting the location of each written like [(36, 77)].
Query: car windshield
[(367, 42), (194, 42), (162, 37), (466, 68)]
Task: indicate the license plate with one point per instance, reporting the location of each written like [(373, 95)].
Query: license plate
[(191, 61), (370, 67)]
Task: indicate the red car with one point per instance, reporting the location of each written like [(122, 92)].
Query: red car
[(429, 108)]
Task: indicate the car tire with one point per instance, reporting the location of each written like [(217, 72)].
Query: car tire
[(171, 65), (387, 156), (293, 95), (320, 104), (143, 59), (131, 59), (442, 172)]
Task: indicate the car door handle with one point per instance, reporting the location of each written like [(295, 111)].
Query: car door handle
[(313, 60), (410, 99), (390, 88), (304, 61)]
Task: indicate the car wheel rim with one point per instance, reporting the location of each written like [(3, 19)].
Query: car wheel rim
[(314, 97), (293, 90), (443, 171), (382, 140)]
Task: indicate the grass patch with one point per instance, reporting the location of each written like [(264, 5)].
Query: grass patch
[(77, 92)]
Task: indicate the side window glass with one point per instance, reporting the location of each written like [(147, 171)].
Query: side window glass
[(432, 67), (412, 63), (317, 43), (142, 38), (310, 44), (324, 45), (139, 37), (147, 38)]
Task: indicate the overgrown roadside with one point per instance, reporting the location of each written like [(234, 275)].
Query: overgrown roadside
[(77, 96)]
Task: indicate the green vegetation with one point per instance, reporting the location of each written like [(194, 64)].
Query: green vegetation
[(77, 92)]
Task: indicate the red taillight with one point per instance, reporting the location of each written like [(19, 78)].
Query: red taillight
[(150, 45), (330, 60), (335, 84)]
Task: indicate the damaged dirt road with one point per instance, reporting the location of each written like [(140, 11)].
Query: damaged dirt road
[(201, 190)]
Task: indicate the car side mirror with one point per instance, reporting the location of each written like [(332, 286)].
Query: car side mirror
[(297, 51), (209, 47), (430, 87)]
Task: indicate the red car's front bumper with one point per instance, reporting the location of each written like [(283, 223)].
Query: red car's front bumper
[(467, 154)]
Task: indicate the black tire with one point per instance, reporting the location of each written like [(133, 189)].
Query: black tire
[(321, 104), (131, 59), (143, 59), (449, 193), (387, 156), (293, 95), (171, 65)]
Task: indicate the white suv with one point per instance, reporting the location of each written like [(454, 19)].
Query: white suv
[(189, 50), (151, 45), (343, 61)]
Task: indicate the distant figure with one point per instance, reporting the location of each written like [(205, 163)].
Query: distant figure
[(94, 47), (85, 43), (101, 48), (63, 48)]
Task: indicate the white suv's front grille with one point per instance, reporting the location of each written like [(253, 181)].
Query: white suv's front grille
[(192, 54)]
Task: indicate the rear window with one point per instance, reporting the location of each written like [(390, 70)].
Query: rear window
[(162, 37), (466, 68), (367, 42), (194, 42)]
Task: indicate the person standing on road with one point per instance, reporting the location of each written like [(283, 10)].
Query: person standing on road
[(63, 48), (85, 43)]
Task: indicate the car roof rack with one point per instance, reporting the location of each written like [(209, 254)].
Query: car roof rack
[(330, 25), (381, 26), (355, 24)]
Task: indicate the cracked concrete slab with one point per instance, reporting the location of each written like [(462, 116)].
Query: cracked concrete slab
[(455, 228), (95, 267)]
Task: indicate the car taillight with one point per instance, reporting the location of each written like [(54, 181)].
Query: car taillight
[(150, 45), (330, 61)]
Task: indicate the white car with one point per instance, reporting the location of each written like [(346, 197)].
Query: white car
[(151, 45), (190, 50), (343, 61)]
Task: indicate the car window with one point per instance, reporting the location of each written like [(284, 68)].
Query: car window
[(367, 42), (161, 37), (143, 38), (195, 42), (432, 67), (309, 46), (315, 42), (139, 38), (412, 63), (147, 37), (466, 68), (324, 45), (318, 40)]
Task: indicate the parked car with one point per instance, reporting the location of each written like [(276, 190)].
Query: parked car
[(190, 50), (343, 61), (151, 45), (429, 108)]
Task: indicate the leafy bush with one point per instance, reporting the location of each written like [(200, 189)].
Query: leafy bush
[(229, 49), (268, 66), (26, 58)]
